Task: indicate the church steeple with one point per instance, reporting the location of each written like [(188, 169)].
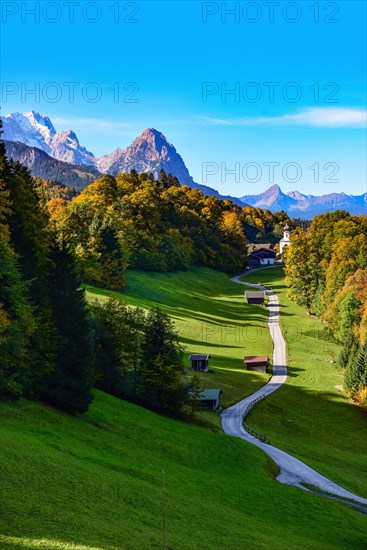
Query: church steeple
[(285, 241), (287, 232)]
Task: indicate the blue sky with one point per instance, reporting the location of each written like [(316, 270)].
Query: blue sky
[(297, 77)]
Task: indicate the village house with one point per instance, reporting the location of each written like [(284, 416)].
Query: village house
[(260, 254)]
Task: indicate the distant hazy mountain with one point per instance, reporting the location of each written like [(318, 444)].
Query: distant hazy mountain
[(46, 167), (273, 199), (298, 205)]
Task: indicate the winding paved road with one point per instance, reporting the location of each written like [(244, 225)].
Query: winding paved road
[(292, 471)]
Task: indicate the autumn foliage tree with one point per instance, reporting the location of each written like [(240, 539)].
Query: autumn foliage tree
[(156, 225), (326, 270)]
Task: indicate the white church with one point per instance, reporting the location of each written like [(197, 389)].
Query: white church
[(285, 241)]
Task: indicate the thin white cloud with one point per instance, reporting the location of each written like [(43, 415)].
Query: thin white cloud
[(92, 123), (319, 117), (217, 121)]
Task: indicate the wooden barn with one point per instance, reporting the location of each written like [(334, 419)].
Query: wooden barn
[(210, 399), (255, 296), (199, 362), (258, 363)]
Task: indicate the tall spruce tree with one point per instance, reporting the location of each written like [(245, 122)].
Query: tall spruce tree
[(29, 226), (16, 326), (70, 385), (349, 348), (118, 334), (32, 240), (113, 261), (160, 385), (356, 371), (16, 322)]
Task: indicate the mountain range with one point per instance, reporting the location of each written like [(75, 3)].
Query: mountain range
[(32, 139), (298, 205), (150, 152)]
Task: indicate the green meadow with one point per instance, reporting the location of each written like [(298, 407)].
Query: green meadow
[(112, 478), (97, 482), (211, 316), (310, 416)]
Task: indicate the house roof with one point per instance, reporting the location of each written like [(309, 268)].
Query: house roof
[(199, 357), (208, 395), (256, 246), (250, 359), (254, 294)]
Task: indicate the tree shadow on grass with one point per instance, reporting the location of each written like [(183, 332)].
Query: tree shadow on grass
[(210, 318), (292, 372), (204, 343)]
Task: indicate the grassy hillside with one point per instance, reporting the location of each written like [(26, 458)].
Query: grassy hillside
[(97, 482), (310, 416), (211, 316)]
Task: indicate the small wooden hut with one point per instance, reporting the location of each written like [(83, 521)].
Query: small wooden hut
[(258, 363), (199, 362), (255, 296), (210, 399)]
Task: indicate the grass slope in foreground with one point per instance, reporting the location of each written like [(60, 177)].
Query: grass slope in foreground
[(97, 482), (309, 416), (211, 316)]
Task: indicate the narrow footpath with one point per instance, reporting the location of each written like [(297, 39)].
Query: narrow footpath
[(291, 470)]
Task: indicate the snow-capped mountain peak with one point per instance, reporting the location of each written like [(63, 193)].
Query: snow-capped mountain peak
[(41, 123), (29, 129), (36, 130)]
